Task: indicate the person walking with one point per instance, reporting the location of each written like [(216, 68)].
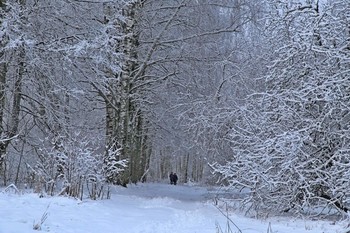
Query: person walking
[(175, 178), (171, 177)]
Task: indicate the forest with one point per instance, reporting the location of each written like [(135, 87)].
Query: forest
[(253, 95)]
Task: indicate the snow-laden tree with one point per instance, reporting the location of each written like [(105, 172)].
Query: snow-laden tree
[(45, 90), (109, 62), (291, 144)]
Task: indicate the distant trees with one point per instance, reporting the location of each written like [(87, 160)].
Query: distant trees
[(161, 48), (208, 79)]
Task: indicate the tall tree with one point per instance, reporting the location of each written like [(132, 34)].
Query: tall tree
[(13, 15)]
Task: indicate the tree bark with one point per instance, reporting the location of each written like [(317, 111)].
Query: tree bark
[(3, 72)]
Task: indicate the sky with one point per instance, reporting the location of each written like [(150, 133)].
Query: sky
[(142, 208)]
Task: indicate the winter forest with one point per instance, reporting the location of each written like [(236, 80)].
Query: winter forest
[(253, 95)]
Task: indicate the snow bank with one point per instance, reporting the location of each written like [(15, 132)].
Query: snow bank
[(146, 208)]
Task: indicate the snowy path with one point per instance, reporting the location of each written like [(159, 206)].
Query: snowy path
[(151, 208)]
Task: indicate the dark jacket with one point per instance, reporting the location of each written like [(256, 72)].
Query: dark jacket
[(175, 178)]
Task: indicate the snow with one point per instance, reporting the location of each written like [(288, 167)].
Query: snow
[(142, 208)]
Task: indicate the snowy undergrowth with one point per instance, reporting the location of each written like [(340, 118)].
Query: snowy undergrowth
[(143, 208)]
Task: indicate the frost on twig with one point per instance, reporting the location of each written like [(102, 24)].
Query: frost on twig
[(37, 226)]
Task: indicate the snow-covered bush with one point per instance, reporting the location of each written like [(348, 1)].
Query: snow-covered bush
[(290, 145), (71, 167), (112, 166)]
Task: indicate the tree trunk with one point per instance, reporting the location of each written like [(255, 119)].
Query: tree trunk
[(124, 120), (3, 72), (12, 129)]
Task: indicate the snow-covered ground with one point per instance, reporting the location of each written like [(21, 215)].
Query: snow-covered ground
[(143, 208)]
